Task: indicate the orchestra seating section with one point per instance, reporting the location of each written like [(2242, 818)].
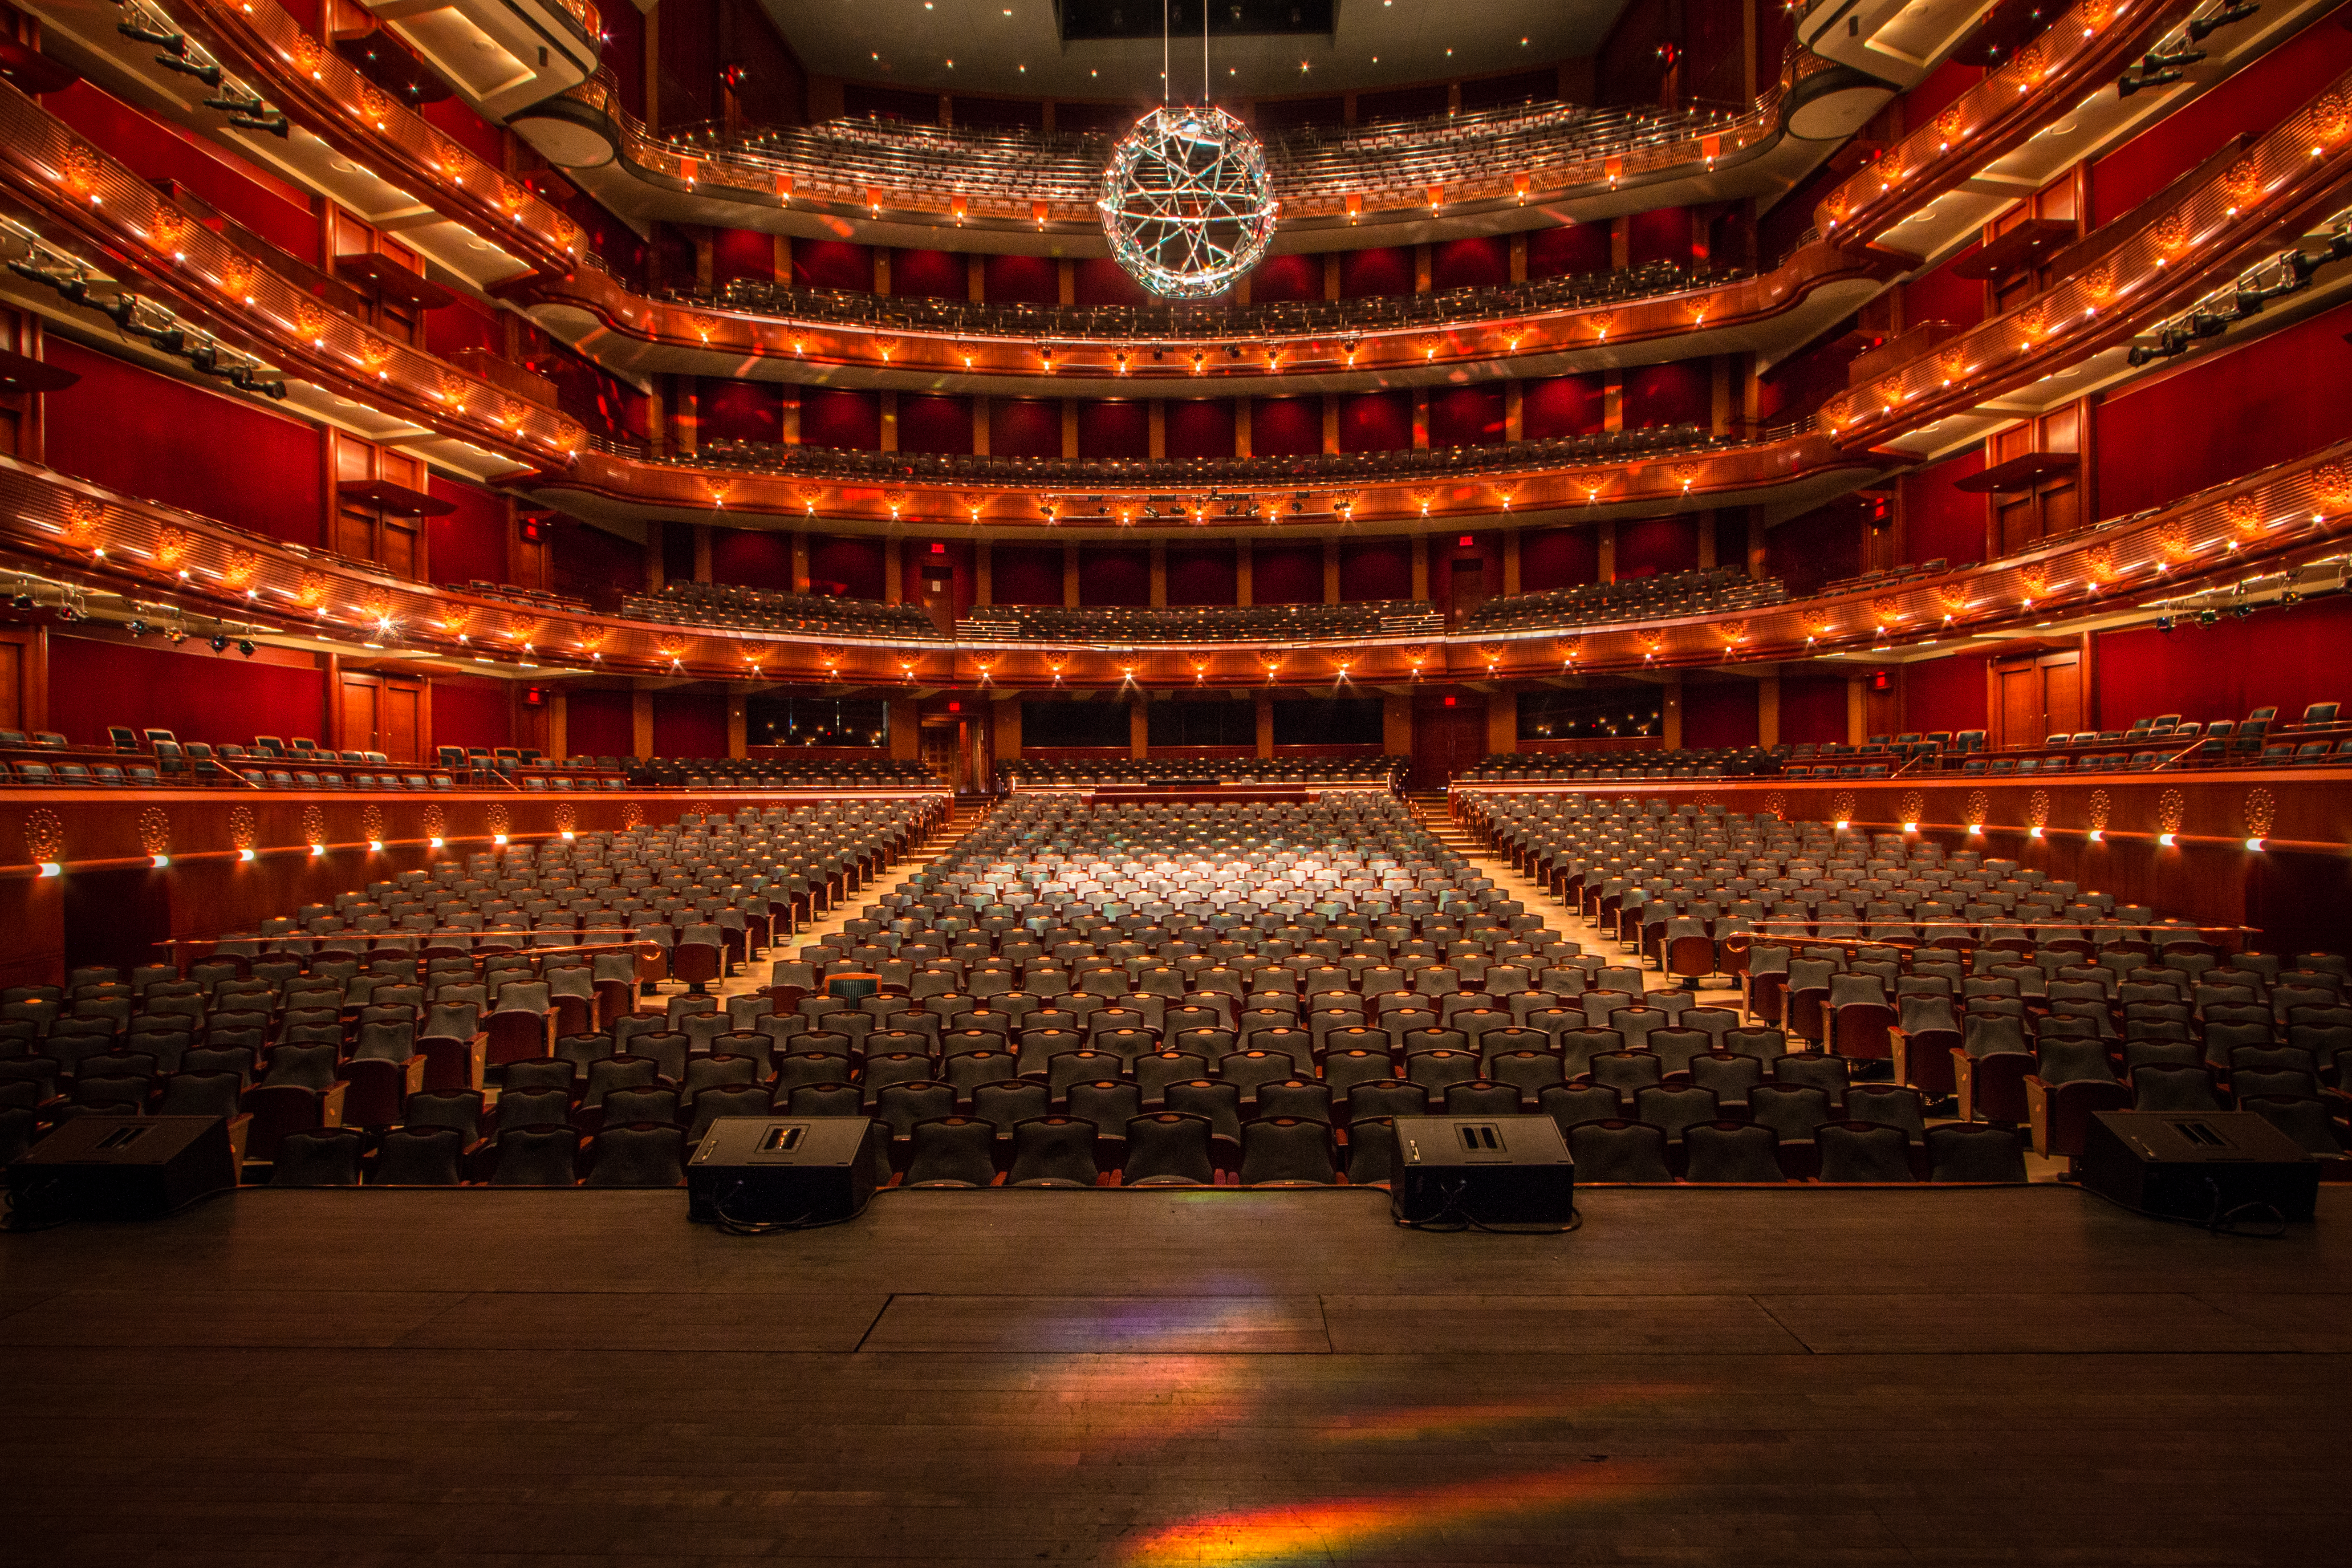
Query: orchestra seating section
[(1364, 772), (1182, 320), (758, 610), (1208, 624), (1667, 596)]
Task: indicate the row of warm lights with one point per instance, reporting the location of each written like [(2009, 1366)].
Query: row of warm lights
[(2092, 835), (375, 847)]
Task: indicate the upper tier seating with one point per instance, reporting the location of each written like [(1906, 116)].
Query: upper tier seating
[(756, 609), (1670, 595), (1718, 761), (1032, 773), (876, 772), (1213, 324), (1222, 623)]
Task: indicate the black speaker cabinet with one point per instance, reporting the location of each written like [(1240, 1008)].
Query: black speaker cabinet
[(1491, 1170), (2196, 1164), (122, 1167), (792, 1170)]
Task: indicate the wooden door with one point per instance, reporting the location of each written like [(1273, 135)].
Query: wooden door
[(359, 714), (2061, 695), (400, 712), (2020, 708), (11, 686), (2036, 697), (1447, 741)]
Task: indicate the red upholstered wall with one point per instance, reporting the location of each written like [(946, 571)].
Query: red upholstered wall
[(1559, 558), (1944, 694), (1466, 416), (1025, 427), (220, 456), (1719, 713), (274, 210), (1481, 261), (2282, 658), (1025, 575), (1678, 393), (1569, 251), (1944, 84), (591, 564), (2220, 417), (1661, 233), (195, 694), (1286, 278), (1382, 270), (841, 416), (1114, 577), (469, 545), (752, 558), (1375, 569), (2254, 100), (1939, 521), (1813, 708), (1285, 427), (741, 253), (599, 724), (1200, 428), (1943, 295), (1286, 575), (688, 724), (743, 411), (1101, 280), (459, 326), (1561, 406), (1110, 427), (1822, 546), (1649, 546), (855, 564), (1375, 421), (1021, 280), (929, 275), (932, 424), (473, 710), (1201, 574), (833, 264)]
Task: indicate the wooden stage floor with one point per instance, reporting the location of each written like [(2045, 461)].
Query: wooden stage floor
[(1811, 1377)]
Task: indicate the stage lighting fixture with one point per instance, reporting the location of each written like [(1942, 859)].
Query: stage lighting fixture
[(139, 628), (2164, 624), (2209, 616), (244, 646), (220, 643)]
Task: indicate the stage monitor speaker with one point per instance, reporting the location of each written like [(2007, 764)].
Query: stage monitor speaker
[(786, 1171), (2201, 1165), (122, 1167), (1482, 1170)]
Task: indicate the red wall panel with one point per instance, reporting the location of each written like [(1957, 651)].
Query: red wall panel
[(1200, 428), (1375, 569), (688, 724), (744, 411), (1481, 261), (1813, 708), (1286, 278), (1719, 713), (1110, 427), (1822, 546), (1943, 295), (1559, 558), (599, 724), (1940, 522), (2220, 417), (458, 326), (590, 564), (1569, 251), (1944, 694), (1021, 280), (1025, 575), (1371, 274), (195, 694), (929, 275), (1285, 427), (221, 457), (1661, 233), (469, 545), (473, 710), (1466, 416), (1286, 575), (849, 567), (1678, 393), (841, 416), (741, 253), (833, 264), (929, 424), (152, 151), (1561, 406), (1101, 280), (1025, 427), (1651, 546), (1201, 574), (1375, 421), (2282, 658), (752, 558), (1114, 577)]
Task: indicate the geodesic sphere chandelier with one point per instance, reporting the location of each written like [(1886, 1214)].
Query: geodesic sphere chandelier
[(1186, 203)]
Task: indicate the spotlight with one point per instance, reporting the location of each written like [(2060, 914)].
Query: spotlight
[(2132, 84), (220, 643), (23, 601), (2164, 624), (139, 628), (2205, 27), (2209, 618), (2242, 609), (244, 646)]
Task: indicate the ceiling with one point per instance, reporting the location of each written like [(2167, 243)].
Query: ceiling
[(1375, 43)]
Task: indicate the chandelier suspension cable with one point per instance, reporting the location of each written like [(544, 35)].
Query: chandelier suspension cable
[(1204, 54), (1163, 50)]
